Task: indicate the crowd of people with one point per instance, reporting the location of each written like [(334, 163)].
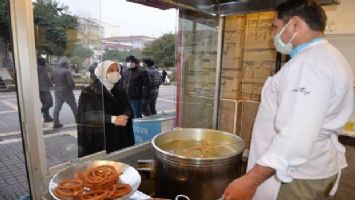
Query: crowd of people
[(107, 106)]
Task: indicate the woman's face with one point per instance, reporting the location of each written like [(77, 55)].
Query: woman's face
[(113, 68)]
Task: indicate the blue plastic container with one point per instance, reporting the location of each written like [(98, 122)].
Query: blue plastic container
[(146, 128), (26, 197)]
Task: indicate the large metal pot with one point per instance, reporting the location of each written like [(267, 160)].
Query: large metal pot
[(198, 163)]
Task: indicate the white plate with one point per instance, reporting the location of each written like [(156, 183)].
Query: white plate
[(130, 175)]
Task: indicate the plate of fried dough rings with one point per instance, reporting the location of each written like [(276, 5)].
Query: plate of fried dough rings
[(95, 180)]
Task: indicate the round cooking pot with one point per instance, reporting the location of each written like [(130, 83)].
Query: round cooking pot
[(198, 163)]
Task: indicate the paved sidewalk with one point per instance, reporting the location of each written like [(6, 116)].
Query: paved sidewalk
[(13, 179)]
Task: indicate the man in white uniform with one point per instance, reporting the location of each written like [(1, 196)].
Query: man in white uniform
[(295, 153)]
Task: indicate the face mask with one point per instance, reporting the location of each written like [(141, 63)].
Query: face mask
[(130, 65), (280, 45), (113, 77)]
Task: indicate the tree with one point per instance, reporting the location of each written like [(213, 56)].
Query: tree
[(4, 21), (5, 34), (111, 55), (79, 55), (55, 29), (120, 55), (82, 52), (162, 50)]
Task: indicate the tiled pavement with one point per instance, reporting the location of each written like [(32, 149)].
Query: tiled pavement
[(12, 171), (62, 147), (13, 180)]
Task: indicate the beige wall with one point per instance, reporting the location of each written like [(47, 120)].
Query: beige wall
[(248, 59), (341, 17)]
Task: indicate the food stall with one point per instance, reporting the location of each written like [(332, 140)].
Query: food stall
[(224, 54)]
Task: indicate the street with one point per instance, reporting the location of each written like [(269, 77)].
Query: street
[(9, 119), (60, 144)]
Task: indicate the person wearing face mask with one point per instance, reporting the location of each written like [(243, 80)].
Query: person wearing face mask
[(104, 119), (155, 81), (135, 81), (295, 153)]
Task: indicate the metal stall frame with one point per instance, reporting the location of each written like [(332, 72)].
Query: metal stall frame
[(218, 72), (22, 27)]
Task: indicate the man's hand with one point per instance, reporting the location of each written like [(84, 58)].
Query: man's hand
[(244, 188), (121, 120)]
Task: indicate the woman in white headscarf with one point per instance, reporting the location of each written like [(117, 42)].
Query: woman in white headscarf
[(105, 95)]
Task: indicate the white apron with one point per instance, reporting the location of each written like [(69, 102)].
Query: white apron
[(264, 131)]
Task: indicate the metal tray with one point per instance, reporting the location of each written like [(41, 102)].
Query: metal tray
[(130, 175)]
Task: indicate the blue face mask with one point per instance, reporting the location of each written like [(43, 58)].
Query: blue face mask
[(284, 48)]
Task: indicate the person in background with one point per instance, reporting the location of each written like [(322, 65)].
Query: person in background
[(91, 69), (295, 153), (163, 77), (63, 90), (155, 81), (117, 112), (44, 84), (135, 81)]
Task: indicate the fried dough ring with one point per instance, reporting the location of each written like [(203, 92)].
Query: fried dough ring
[(201, 150), (119, 190), (97, 183), (69, 188), (95, 195)]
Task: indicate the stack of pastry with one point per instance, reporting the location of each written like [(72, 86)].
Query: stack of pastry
[(98, 183)]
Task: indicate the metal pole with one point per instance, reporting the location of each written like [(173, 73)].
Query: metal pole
[(218, 72), (28, 93)]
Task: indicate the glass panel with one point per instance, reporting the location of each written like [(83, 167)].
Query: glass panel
[(67, 47), (198, 50), (13, 176), (71, 41)]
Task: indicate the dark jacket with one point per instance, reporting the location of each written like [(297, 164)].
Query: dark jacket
[(93, 122), (164, 74), (43, 79), (134, 81), (91, 138), (154, 78), (62, 79)]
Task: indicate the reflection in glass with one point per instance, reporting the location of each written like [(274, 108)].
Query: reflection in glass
[(90, 117), (198, 52), (63, 90), (68, 44), (71, 39)]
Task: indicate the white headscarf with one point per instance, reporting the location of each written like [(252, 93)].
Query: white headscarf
[(101, 73)]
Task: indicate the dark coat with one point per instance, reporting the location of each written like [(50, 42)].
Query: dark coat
[(92, 121), (154, 77), (43, 79), (135, 81), (63, 80)]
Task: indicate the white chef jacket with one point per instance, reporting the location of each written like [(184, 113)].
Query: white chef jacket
[(303, 108)]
